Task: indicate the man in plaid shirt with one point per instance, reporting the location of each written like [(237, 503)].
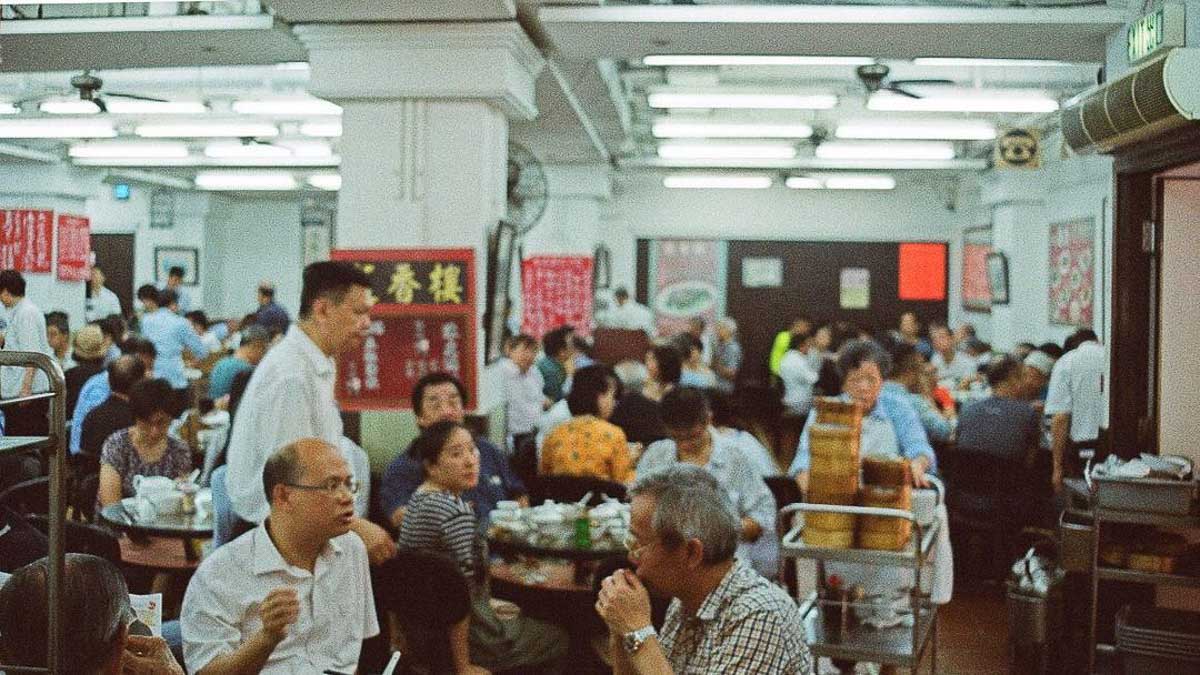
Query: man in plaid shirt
[(724, 617)]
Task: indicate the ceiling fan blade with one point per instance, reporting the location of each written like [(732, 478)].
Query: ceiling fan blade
[(100, 104), (136, 97), (901, 91), (901, 82)]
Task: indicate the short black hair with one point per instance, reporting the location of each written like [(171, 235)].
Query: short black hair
[(904, 356), (139, 346), (147, 397), (522, 340), (124, 371), (1079, 337), (176, 271), (58, 320), (197, 316), (799, 338), (684, 408), (167, 297), (267, 291), (113, 326), (555, 341), (1001, 368), (147, 292), (670, 363), (13, 282), (1052, 349), (330, 279), (588, 385), (430, 380), (281, 468), (621, 293), (856, 352), (428, 446)]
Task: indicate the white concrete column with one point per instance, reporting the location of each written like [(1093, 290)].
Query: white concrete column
[(1018, 231)]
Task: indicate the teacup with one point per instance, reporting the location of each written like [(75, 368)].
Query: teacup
[(139, 509), (145, 486), (508, 505), (166, 503)]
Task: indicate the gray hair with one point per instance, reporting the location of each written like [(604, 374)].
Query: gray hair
[(94, 596), (690, 504), (632, 374)]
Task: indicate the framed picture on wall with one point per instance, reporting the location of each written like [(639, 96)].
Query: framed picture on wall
[(502, 247), (166, 257), (1072, 272), (997, 271), (977, 244)]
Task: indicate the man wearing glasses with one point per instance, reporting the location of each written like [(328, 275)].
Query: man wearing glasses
[(293, 595)]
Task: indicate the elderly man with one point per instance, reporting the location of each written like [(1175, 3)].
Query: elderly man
[(172, 335), (97, 600), (270, 315), (251, 349), (293, 595), (724, 617), (101, 301), (291, 393), (113, 414), (26, 333), (628, 314)]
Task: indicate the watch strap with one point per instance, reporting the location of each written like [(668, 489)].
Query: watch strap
[(633, 640)]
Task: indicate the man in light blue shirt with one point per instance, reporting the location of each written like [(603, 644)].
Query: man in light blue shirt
[(171, 335), (96, 389), (174, 283)]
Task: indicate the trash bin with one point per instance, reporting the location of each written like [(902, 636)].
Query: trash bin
[(1035, 615)]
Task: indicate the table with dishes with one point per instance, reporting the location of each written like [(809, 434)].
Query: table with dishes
[(541, 536), (164, 508)]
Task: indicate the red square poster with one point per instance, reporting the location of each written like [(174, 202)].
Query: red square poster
[(74, 245), (922, 272), (26, 240), (556, 290)]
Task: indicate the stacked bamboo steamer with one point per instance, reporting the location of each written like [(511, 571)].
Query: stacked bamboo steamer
[(833, 472), (887, 484)]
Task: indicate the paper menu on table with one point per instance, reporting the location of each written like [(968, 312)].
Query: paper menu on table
[(148, 609)]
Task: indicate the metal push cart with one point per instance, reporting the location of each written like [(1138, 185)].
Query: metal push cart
[(55, 442), (899, 645)]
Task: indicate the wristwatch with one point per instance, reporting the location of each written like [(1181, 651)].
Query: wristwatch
[(634, 639)]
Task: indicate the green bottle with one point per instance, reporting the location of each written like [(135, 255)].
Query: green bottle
[(583, 532)]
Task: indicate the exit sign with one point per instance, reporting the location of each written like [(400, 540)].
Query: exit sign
[(1155, 31)]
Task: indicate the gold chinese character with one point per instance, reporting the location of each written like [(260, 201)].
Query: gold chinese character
[(404, 282), (367, 268), (444, 283)]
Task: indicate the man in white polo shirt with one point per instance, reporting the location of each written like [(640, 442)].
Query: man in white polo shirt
[(1075, 401), (294, 594)]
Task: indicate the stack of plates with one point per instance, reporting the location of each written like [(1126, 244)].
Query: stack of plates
[(1152, 631)]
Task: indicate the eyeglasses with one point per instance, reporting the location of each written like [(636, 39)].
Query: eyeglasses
[(331, 486)]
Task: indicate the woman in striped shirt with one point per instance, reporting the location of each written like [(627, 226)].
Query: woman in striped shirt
[(437, 520)]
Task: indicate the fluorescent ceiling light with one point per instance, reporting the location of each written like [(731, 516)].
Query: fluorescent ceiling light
[(726, 151), (752, 60), (118, 149), (885, 150), (292, 65), (717, 181), (57, 128), (130, 106), (666, 128), (997, 102), (216, 180), (325, 181), (233, 149), (287, 106), (69, 106), (207, 130), (87, 2), (958, 130), (8, 109), (299, 148), (742, 100), (880, 182), (968, 62), (199, 160), (804, 183), (321, 129)]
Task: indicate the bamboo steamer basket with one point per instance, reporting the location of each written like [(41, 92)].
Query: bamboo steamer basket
[(882, 533), (833, 410), (886, 471), (828, 538), (831, 522), (883, 541), (833, 465)]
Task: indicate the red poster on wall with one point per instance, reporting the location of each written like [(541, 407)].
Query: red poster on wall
[(26, 240), (922, 272), (424, 321), (74, 245), (688, 280), (556, 290)]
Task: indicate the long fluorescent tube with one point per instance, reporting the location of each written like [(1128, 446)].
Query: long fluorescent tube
[(983, 102), (197, 160), (991, 63), (207, 130), (235, 149), (87, 2), (860, 183), (57, 128), (956, 130), (293, 106), (8, 109), (325, 181), (804, 183), (752, 60), (128, 106), (716, 181), (321, 129), (886, 150), (69, 106), (726, 151), (119, 149), (683, 129), (215, 180), (742, 100), (299, 148)]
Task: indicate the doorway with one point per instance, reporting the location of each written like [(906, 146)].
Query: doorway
[(114, 254)]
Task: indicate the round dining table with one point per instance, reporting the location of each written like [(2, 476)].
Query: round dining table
[(190, 528)]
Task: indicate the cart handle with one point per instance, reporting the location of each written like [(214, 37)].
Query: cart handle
[(849, 510)]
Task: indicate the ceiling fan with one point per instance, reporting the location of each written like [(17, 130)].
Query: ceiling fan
[(89, 86), (874, 78)]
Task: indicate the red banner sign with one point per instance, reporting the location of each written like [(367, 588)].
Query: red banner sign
[(26, 240), (556, 290), (424, 322), (74, 247)]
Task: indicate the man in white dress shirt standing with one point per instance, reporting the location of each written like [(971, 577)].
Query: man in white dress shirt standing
[(26, 333), (293, 595), (628, 314), (101, 302), (291, 393), (1075, 402)]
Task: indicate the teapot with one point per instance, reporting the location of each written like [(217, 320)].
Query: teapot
[(150, 486)]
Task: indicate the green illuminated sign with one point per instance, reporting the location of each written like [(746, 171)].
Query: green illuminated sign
[(1155, 31)]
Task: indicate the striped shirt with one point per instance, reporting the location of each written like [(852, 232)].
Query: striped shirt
[(440, 522)]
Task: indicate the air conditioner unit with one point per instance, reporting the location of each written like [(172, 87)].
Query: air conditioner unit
[(1162, 95)]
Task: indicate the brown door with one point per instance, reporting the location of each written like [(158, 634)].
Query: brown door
[(114, 255)]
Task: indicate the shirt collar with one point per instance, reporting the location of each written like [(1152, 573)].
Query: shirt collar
[(712, 604), (267, 558), (322, 363), (719, 455)]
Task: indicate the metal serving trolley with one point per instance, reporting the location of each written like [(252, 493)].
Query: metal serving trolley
[(902, 645), (55, 443)]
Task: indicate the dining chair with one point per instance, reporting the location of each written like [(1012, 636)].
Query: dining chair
[(80, 537), (28, 497)]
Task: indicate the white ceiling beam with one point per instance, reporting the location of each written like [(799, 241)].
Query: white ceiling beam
[(21, 152)]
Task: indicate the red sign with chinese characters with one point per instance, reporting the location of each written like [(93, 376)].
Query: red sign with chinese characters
[(424, 321), (556, 290), (74, 246), (26, 240)]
